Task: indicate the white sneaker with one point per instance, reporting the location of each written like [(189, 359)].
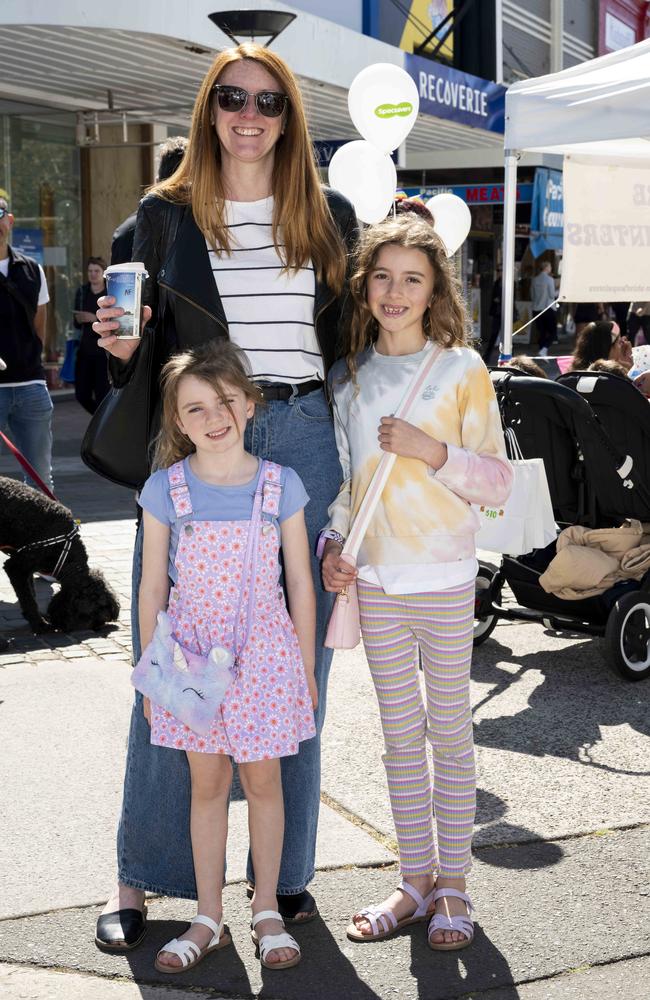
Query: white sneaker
[(543, 352)]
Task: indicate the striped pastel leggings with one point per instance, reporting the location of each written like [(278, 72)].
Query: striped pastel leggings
[(397, 631)]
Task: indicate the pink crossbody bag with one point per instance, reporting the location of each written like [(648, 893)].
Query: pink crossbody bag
[(344, 629)]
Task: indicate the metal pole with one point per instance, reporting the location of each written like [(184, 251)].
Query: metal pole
[(557, 36), (6, 153), (498, 41), (508, 272)]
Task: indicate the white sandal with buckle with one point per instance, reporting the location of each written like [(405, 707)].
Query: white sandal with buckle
[(188, 951), (271, 942)]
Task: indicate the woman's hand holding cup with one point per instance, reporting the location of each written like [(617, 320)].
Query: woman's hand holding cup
[(105, 325)]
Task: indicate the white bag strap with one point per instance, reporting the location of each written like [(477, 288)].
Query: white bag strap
[(513, 445), (386, 462)]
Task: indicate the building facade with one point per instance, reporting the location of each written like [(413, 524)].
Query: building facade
[(87, 92)]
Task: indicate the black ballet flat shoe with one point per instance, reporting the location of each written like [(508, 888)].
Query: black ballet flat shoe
[(289, 906), (122, 930)]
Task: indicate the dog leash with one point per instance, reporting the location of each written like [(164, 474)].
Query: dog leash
[(31, 472)]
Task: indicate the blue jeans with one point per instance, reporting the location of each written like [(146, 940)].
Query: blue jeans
[(26, 419), (153, 841)]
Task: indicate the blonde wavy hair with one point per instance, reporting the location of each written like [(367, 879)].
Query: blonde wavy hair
[(300, 207), (219, 363), (446, 321)]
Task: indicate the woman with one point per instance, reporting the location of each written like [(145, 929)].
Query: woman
[(91, 371), (259, 255), (601, 340)]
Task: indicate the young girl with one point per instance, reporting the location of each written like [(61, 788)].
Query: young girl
[(197, 514), (416, 566)]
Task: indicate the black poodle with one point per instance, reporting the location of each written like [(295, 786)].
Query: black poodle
[(41, 536)]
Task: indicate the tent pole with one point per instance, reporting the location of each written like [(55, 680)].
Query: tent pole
[(508, 272)]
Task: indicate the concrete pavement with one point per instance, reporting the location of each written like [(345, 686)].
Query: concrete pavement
[(564, 816)]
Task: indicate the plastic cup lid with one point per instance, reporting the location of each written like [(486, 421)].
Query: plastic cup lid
[(133, 266)]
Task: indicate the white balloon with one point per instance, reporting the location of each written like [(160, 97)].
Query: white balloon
[(452, 220), (366, 176), (383, 101)]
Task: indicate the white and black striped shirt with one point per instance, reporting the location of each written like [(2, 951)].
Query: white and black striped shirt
[(270, 314)]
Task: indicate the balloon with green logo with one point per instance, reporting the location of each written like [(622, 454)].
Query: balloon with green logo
[(367, 177), (383, 102)]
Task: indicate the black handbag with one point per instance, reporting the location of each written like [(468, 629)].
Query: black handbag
[(118, 440)]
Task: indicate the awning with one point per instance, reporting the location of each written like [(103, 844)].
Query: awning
[(600, 107), (87, 58)]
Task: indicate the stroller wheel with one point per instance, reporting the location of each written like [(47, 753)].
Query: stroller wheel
[(484, 624), (628, 636)]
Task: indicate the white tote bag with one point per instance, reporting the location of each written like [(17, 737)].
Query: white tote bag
[(525, 521)]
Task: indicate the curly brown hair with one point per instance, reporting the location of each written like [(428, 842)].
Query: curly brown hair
[(445, 322), (221, 365)]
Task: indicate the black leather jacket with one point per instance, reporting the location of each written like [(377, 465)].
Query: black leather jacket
[(181, 289)]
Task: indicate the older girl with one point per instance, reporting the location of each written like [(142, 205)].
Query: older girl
[(417, 562)]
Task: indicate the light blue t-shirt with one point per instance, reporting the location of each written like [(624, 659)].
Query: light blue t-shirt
[(216, 503)]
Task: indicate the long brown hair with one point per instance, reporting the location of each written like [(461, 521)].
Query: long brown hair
[(594, 342), (445, 321), (300, 208), (221, 365)]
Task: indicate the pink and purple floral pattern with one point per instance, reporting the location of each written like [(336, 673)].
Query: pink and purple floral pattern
[(267, 710)]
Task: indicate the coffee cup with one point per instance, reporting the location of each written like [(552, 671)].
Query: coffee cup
[(124, 282)]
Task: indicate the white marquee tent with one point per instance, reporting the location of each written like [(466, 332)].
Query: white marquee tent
[(598, 109)]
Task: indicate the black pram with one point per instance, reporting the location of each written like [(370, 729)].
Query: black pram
[(597, 459)]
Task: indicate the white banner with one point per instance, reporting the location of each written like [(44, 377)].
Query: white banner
[(606, 231)]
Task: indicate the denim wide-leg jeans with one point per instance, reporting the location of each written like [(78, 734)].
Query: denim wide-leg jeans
[(153, 842)]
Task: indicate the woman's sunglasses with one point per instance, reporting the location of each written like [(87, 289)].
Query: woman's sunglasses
[(3, 212), (270, 103)]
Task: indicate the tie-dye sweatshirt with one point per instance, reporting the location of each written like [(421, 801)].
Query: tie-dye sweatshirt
[(423, 516)]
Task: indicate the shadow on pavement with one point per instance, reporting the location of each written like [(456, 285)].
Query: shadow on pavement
[(579, 695), (223, 967), (15, 633), (325, 971), (489, 809), (445, 975)]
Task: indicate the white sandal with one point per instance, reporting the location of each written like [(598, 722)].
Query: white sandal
[(441, 922), (188, 951), (271, 942)]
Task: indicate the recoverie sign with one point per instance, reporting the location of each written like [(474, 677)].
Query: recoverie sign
[(460, 97)]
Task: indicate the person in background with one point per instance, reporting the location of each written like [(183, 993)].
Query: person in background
[(618, 312), (608, 366), (588, 312), (172, 151), (638, 323), (542, 295), (25, 403), (91, 367), (413, 205), (601, 341), (527, 365)]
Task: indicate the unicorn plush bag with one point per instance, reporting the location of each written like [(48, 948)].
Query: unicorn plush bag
[(186, 684)]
